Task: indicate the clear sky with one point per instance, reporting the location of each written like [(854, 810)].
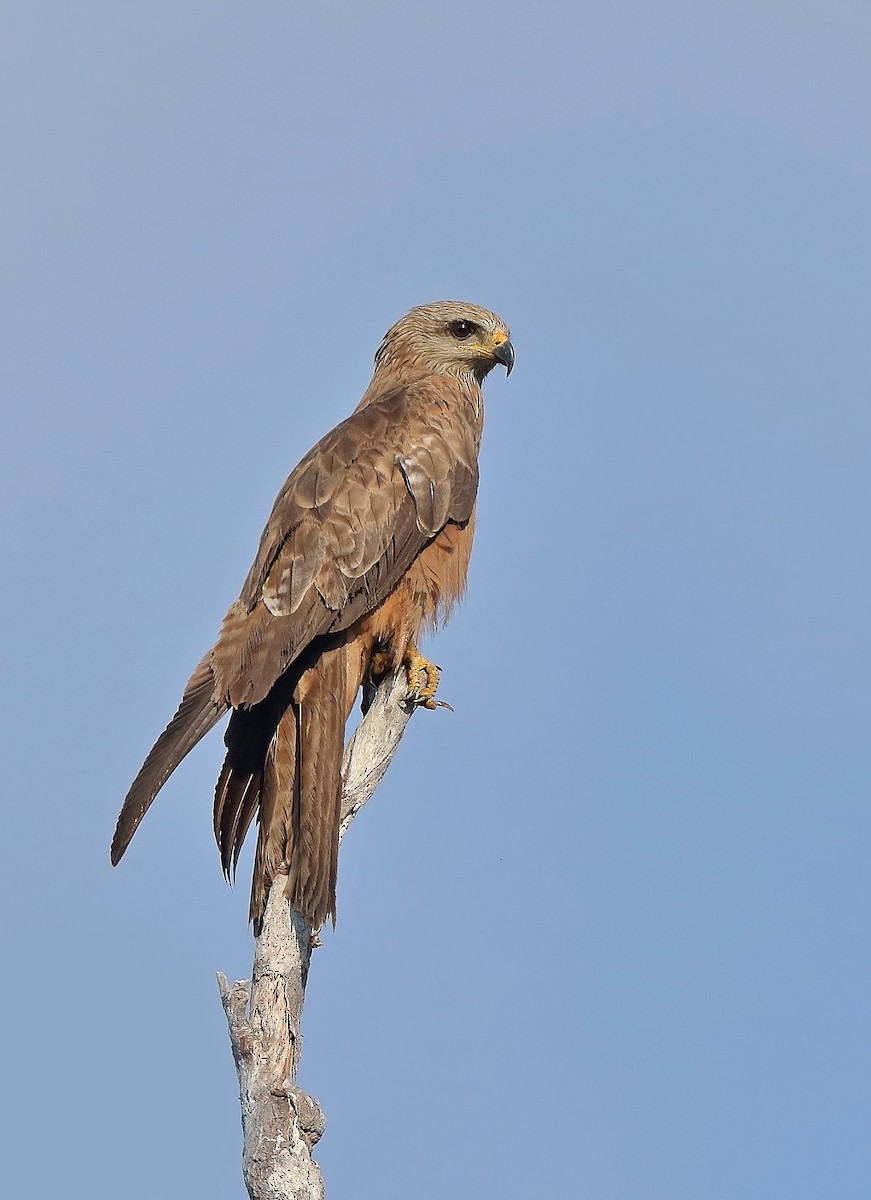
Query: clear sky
[(604, 931)]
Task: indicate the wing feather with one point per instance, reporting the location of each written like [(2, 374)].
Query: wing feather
[(347, 525)]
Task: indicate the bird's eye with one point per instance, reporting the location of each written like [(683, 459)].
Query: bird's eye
[(461, 330)]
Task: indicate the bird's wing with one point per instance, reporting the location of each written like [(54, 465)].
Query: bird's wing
[(197, 713), (347, 525)]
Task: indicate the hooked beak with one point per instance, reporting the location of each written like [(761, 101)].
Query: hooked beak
[(503, 352)]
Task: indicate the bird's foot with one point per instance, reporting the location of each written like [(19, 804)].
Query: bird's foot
[(423, 679), (379, 664)]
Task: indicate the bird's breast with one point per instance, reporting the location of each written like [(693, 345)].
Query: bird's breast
[(438, 576)]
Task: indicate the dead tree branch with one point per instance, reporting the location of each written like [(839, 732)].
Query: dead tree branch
[(280, 1123)]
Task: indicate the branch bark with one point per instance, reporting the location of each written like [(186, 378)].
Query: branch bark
[(280, 1123)]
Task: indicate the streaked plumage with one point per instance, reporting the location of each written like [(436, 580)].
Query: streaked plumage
[(368, 541)]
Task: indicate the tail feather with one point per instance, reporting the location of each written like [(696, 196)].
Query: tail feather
[(240, 791), (196, 715), (278, 816), (237, 797), (301, 794), (283, 764), (311, 884)]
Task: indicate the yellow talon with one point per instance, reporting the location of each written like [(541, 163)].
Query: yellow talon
[(422, 690)]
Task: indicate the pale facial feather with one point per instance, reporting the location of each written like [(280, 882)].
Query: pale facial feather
[(422, 341)]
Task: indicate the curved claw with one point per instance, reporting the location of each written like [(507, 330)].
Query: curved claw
[(416, 666)]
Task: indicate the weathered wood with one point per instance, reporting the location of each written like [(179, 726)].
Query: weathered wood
[(371, 749), (280, 1123)]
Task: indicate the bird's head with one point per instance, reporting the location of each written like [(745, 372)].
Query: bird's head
[(449, 337)]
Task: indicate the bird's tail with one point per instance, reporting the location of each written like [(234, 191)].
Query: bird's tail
[(284, 756), (196, 715)]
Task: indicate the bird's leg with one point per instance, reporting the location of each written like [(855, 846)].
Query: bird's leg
[(380, 662), (423, 678)]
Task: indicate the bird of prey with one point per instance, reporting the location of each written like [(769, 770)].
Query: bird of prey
[(368, 543)]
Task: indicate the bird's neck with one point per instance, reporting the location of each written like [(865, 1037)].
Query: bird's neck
[(387, 377)]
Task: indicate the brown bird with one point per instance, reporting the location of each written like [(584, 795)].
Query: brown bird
[(368, 542)]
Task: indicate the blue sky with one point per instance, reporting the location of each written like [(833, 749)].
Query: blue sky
[(604, 930)]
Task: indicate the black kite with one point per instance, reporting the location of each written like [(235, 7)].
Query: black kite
[(368, 542)]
